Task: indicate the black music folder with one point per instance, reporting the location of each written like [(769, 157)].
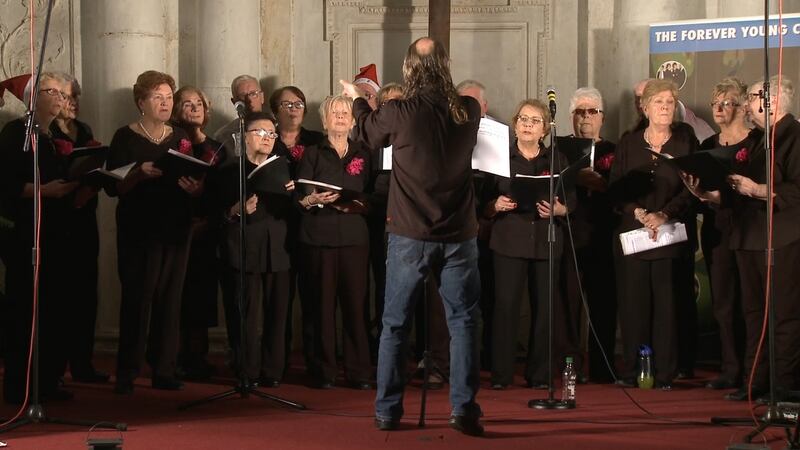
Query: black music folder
[(270, 176), (85, 159), (101, 177), (712, 167), (345, 195), (176, 164), (576, 150)]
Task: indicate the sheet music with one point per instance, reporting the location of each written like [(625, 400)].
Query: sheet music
[(491, 150), (386, 158), (636, 241)]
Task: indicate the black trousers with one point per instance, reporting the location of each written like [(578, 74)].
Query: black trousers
[(686, 313), (151, 275), (486, 268), (266, 307), (436, 327), (786, 296), (332, 275), (647, 302), (726, 299), (84, 248), (199, 300), (511, 275), (54, 297)]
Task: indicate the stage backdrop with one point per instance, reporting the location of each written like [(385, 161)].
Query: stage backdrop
[(697, 55)]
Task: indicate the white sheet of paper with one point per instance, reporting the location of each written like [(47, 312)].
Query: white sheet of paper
[(639, 240), (491, 151), (386, 163)]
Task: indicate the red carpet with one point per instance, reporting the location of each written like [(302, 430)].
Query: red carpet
[(342, 418)]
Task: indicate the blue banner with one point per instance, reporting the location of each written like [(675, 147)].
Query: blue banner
[(729, 34)]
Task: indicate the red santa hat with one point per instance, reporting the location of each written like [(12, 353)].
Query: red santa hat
[(15, 85), (368, 75)]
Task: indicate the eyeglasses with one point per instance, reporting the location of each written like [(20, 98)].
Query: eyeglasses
[(53, 92), (586, 111), (289, 105), (251, 95), (530, 120), (724, 104), (264, 133), (340, 113)]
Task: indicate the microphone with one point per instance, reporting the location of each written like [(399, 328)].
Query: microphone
[(240, 108), (551, 97)]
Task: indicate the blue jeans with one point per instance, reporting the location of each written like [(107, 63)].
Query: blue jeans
[(408, 263)]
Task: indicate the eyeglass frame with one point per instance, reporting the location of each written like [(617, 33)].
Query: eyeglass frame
[(298, 104), (587, 112), (724, 104), (251, 95), (49, 91), (264, 133), (530, 119)]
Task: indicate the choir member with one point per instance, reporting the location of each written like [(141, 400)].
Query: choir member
[(521, 251), (267, 263), (247, 90), (649, 193), (153, 233), (191, 112), (334, 248), (730, 110), (57, 210), (69, 132)]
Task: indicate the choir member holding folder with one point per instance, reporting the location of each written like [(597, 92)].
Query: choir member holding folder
[(57, 204), (648, 193), (266, 255), (519, 242), (728, 104), (191, 112), (69, 132), (153, 232), (334, 248)]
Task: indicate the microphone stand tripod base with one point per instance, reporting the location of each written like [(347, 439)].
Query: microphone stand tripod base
[(547, 403)]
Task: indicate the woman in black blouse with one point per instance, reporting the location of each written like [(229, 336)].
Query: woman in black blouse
[(69, 132), (334, 249), (57, 204), (191, 112), (288, 104), (519, 242), (153, 232), (648, 193), (266, 259)]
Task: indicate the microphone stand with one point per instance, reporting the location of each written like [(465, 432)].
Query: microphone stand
[(244, 387), (35, 412), (550, 402), (773, 416)]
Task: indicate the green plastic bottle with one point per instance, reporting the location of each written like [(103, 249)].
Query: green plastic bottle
[(645, 380)]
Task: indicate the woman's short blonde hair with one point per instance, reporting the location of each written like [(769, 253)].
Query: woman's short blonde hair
[(332, 101)]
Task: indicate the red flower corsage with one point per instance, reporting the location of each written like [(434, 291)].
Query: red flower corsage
[(742, 156), (63, 147), (355, 166), (297, 152), (604, 162), (544, 173), (185, 147)]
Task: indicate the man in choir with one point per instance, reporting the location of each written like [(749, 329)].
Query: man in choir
[(432, 225), (245, 89), (593, 222), (477, 90)]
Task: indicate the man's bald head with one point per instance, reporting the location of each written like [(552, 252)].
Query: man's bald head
[(424, 46)]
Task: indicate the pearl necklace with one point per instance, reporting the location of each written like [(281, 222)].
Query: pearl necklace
[(669, 135), (163, 132)]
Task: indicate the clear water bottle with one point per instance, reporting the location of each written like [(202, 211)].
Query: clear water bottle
[(645, 379), (568, 381)]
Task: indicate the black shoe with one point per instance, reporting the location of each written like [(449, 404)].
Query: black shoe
[(469, 425), (167, 384), (722, 383), (781, 395), (325, 384), (664, 385), (386, 424), (626, 382), (499, 386), (361, 385), (269, 382), (123, 387), (435, 382), (537, 384), (93, 376), (740, 394), (684, 374)]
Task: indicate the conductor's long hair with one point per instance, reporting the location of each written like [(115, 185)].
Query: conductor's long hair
[(432, 70)]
